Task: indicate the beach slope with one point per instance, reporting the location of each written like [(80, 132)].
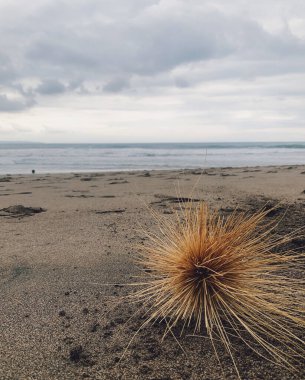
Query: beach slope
[(67, 252)]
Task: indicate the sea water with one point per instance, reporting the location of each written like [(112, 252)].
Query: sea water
[(58, 158)]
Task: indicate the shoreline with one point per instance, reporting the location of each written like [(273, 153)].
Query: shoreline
[(118, 171), (78, 231)]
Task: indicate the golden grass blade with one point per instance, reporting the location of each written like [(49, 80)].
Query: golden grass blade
[(223, 276)]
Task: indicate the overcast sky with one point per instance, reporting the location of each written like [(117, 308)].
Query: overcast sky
[(149, 70)]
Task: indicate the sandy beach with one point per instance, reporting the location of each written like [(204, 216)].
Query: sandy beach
[(68, 253)]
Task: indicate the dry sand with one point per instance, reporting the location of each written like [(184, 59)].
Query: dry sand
[(59, 319)]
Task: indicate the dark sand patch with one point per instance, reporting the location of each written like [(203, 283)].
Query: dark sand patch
[(228, 175), (5, 179), (169, 198), (117, 182), (117, 211), (20, 211), (145, 174), (21, 193), (87, 179), (19, 270), (79, 196)]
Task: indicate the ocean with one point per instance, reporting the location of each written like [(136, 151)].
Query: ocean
[(22, 158)]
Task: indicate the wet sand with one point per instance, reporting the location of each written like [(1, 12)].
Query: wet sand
[(67, 253)]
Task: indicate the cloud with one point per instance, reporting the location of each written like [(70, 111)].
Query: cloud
[(50, 87), (116, 85), (7, 71), (14, 105), (186, 56), (152, 42), (102, 41)]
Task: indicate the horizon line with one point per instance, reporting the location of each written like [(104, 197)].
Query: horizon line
[(153, 142)]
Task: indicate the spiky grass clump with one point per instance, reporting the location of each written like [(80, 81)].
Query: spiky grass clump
[(223, 277)]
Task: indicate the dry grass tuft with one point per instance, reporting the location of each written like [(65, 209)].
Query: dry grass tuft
[(224, 278)]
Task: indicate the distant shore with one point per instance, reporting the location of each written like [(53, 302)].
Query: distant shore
[(65, 235)]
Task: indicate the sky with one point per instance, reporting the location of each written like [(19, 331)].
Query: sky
[(152, 70)]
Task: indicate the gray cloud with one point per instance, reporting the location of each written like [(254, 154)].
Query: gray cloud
[(50, 87), (64, 36), (7, 71), (142, 45), (116, 85), (152, 43), (13, 105)]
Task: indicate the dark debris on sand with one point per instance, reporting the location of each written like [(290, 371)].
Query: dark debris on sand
[(5, 179), (117, 211), (171, 199), (79, 356), (19, 211)]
